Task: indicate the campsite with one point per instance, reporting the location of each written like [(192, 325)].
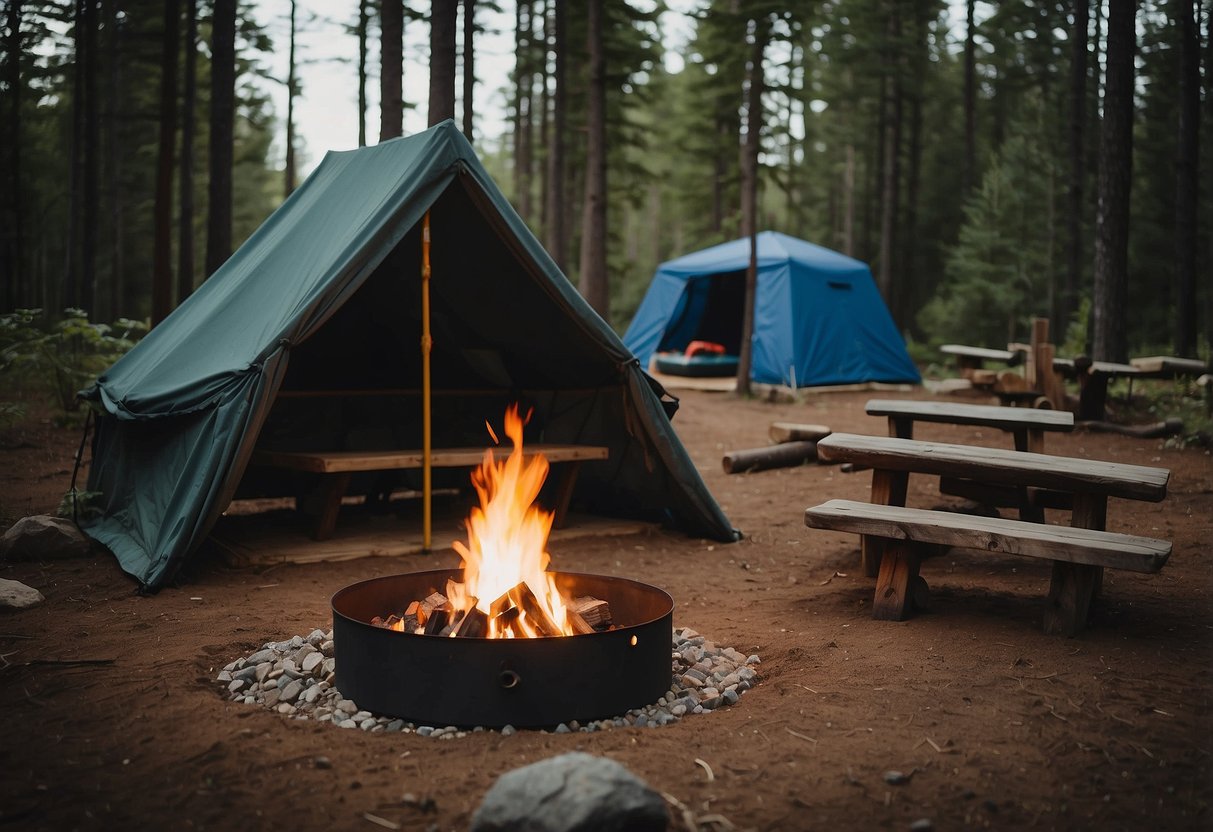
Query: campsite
[(999, 724)]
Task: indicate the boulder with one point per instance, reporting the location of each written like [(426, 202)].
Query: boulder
[(571, 793), (15, 595), (44, 537)]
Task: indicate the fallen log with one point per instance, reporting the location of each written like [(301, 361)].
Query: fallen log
[(1168, 427), (793, 432), (785, 455)]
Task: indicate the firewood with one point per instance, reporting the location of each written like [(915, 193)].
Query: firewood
[(784, 455), (595, 611), (474, 625), (438, 618), (576, 623), (412, 609), (793, 432), (500, 605), (508, 620), (525, 600)]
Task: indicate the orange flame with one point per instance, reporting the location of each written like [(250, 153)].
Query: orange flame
[(507, 540)]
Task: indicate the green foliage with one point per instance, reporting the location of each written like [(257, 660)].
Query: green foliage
[(59, 358)]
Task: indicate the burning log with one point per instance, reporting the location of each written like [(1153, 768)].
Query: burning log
[(594, 611), (577, 624), (508, 619), (438, 618), (525, 600), (474, 625)]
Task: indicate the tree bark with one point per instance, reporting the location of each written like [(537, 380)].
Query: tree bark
[(288, 178), (185, 222), (92, 168), (1115, 179), (1187, 181), (969, 172), (891, 186), (555, 228), (1075, 207), (593, 278), (12, 270), (162, 265), (363, 21), (469, 67), (222, 116), (749, 198), (443, 14), (522, 109), (113, 168), (391, 72)]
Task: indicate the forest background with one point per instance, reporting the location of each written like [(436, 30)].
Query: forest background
[(991, 161)]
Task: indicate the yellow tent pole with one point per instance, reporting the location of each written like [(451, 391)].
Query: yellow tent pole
[(426, 344)]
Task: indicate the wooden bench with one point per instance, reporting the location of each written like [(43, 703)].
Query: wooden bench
[(974, 358), (337, 467), (1088, 484), (908, 534)]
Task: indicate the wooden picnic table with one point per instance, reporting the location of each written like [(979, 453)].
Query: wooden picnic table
[(974, 358), (1089, 482), (1027, 425)]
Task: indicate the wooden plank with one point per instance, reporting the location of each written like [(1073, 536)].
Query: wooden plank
[(965, 351), (329, 462), (795, 432), (1136, 482), (1169, 365), (1004, 418), (1005, 496), (993, 534)]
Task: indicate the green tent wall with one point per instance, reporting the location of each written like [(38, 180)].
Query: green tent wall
[(325, 296)]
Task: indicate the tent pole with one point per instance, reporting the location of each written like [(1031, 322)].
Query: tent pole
[(426, 344)]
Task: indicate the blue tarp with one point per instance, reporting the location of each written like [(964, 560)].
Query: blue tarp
[(325, 298), (818, 316)]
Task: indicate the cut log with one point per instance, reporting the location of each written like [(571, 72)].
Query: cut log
[(981, 378), (508, 619), (474, 625), (786, 455), (594, 611), (437, 620), (577, 624), (794, 432), (1169, 427), (536, 615)]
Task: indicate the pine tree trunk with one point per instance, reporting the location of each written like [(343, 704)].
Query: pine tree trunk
[(442, 60), (969, 169), (12, 272), (469, 67), (162, 264), (749, 199), (522, 110), (891, 186), (113, 168), (363, 23), (70, 291), (848, 203), (185, 222), (555, 228), (1187, 182), (92, 169), (593, 278), (391, 73), (539, 162), (222, 149), (1075, 207), (1115, 178), (288, 177)]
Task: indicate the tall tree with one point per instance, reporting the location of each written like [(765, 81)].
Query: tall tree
[(555, 229), (523, 81), (755, 82), (891, 167), (1068, 297), (162, 266), (443, 17), (222, 147), (391, 72), (1109, 341), (1187, 180), (11, 267), (593, 273), (185, 184), (469, 66), (115, 196), (968, 176), (91, 214), (292, 81), (363, 26)]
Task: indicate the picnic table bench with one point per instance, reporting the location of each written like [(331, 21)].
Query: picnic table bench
[(337, 467), (896, 542), (974, 358), (1027, 425)]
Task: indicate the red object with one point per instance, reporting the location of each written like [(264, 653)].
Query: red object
[(697, 347)]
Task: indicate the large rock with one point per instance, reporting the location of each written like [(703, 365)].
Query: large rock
[(15, 595), (571, 793), (43, 537)]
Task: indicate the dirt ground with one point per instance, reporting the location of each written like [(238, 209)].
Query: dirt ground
[(999, 725)]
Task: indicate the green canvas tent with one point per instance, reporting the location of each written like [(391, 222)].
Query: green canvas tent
[(325, 297)]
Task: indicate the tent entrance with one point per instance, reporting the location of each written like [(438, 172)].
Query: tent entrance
[(711, 309)]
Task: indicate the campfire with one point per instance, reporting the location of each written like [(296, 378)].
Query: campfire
[(494, 643), (506, 591)]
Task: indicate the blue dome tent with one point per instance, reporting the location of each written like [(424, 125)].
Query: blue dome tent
[(818, 316)]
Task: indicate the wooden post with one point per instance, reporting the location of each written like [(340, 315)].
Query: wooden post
[(888, 489), (895, 583), (427, 494), (1075, 585)]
